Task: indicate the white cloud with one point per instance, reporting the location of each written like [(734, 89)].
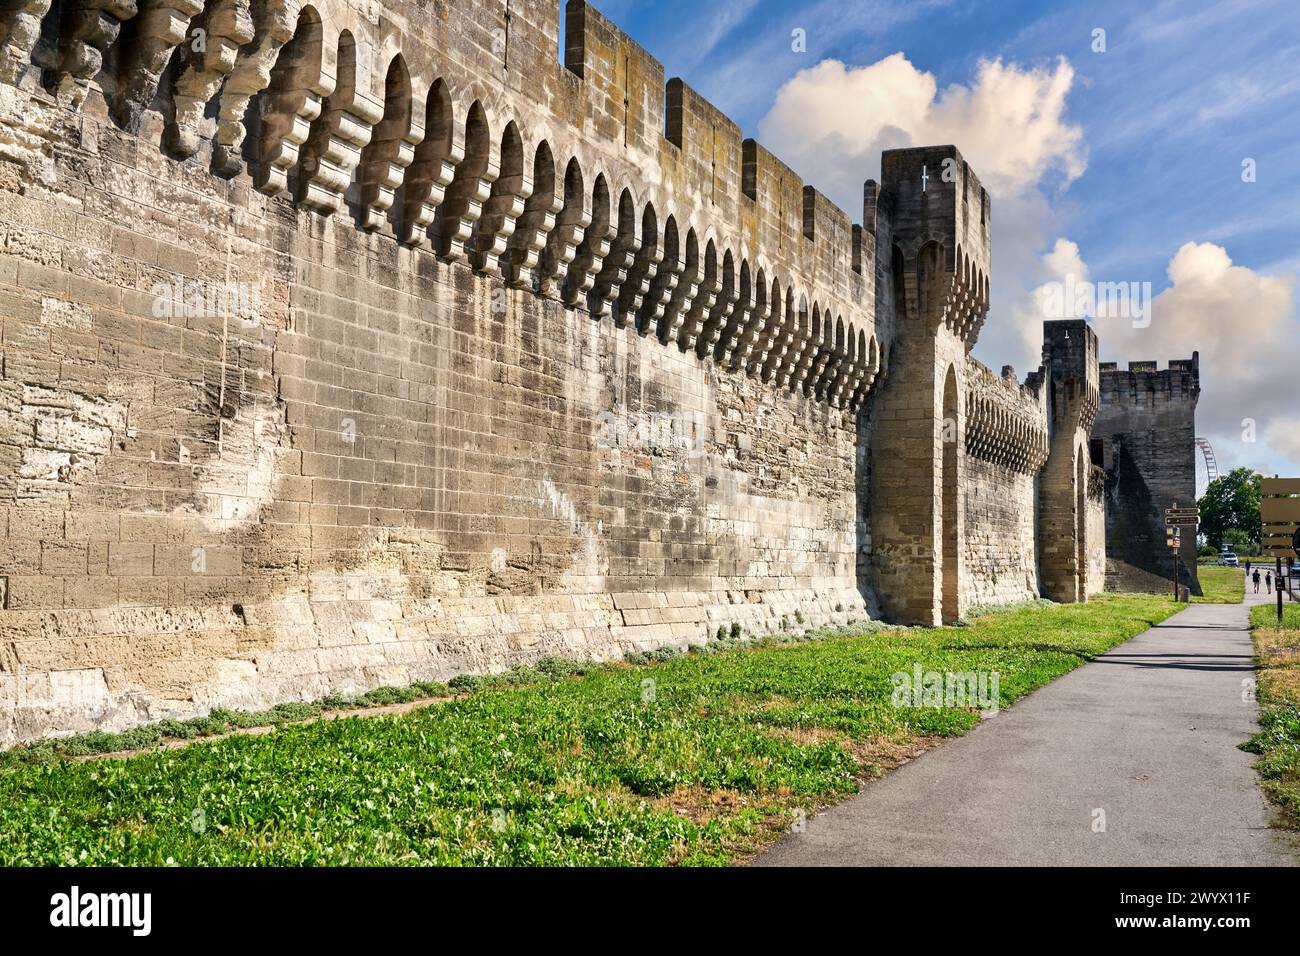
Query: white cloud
[(1064, 261), (742, 78), (1061, 264), (832, 121), (1244, 325)]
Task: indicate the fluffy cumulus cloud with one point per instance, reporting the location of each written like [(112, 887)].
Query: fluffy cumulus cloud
[(832, 121), (1061, 265), (1245, 326)]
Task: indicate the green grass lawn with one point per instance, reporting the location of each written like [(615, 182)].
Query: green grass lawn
[(700, 759), (1221, 585), (1277, 656)]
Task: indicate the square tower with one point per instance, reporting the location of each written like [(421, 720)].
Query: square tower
[(932, 222)]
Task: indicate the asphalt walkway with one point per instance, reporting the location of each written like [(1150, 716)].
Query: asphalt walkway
[(1143, 740)]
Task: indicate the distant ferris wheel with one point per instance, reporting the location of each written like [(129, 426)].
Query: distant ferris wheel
[(1211, 464)]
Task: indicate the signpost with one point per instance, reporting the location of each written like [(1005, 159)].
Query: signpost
[(1175, 519), (1279, 513)]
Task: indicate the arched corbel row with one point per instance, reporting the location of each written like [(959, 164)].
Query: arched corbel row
[(701, 305), (343, 129), (276, 22), (613, 274), (433, 168), (470, 187), (597, 239), (822, 355), (300, 81), (741, 308), (570, 224), (541, 210), (748, 331), (506, 203), (87, 28), (824, 368), (724, 302), (684, 292), (644, 266), (861, 369), (799, 337), (391, 150), (809, 350), (227, 25), (834, 362), (748, 311), (460, 177), (147, 41), (848, 350), (782, 336), (768, 331), (667, 275), (868, 374)]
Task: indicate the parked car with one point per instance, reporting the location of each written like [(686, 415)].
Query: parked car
[(1228, 560)]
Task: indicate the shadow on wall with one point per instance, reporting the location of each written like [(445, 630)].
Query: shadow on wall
[(1135, 547), (862, 476)]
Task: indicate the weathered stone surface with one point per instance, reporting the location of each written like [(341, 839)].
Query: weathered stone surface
[(1144, 437), (366, 342)]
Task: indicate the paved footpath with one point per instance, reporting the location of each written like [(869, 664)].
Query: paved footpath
[(1147, 733)]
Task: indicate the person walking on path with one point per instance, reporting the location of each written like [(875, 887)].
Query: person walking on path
[(1255, 578), (1268, 580)]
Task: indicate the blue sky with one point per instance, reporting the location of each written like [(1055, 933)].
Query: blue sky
[(1161, 123)]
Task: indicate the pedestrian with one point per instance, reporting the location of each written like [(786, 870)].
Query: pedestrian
[(1247, 569), (1255, 578), (1268, 579)]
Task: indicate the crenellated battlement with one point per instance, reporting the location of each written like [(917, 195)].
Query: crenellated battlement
[(533, 353), (939, 225), (1005, 421), (1145, 382), (457, 130), (1072, 372), (1144, 435)]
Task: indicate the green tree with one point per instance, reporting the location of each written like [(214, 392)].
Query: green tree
[(1238, 541), (1231, 501)]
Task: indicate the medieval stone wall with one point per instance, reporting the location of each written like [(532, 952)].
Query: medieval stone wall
[(1069, 382), (361, 343), (1006, 444), (938, 241), (525, 367), (1145, 431)]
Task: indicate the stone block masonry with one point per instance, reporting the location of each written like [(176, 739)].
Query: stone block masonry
[(362, 343), (1006, 446), (1145, 438), (525, 368)]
